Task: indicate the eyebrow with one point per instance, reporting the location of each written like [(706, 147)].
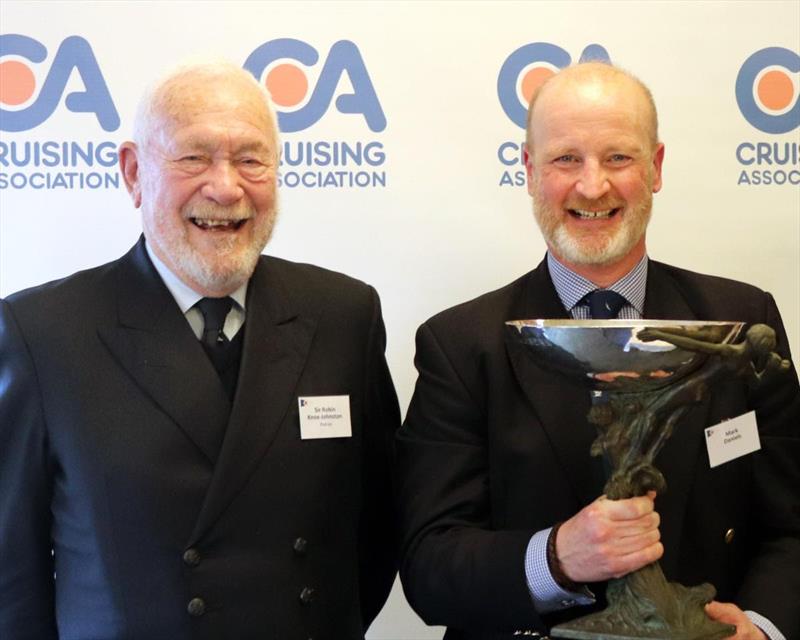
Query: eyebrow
[(208, 144), (617, 146), (253, 146)]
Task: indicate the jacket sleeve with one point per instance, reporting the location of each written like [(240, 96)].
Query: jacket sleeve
[(26, 561), (456, 570), (771, 584), (377, 531)]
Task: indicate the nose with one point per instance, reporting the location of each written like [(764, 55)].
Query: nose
[(593, 182), (222, 185)]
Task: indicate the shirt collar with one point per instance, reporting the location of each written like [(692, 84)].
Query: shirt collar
[(572, 287), (184, 295)]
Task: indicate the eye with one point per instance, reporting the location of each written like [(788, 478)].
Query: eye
[(191, 163), (618, 158), (567, 158), (252, 167), (190, 158)]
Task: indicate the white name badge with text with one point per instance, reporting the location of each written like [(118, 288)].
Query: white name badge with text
[(324, 417), (732, 439)]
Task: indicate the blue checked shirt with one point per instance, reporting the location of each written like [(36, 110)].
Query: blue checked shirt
[(571, 288)]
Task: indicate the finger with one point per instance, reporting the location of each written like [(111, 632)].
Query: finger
[(627, 509), (623, 545), (728, 613), (622, 565), (724, 612), (596, 524), (640, 526)]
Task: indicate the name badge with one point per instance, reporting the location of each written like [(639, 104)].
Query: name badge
[(324, 417), (732, 439)]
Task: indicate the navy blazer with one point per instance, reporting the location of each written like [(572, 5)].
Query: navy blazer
[(495, 448), (170, 511)]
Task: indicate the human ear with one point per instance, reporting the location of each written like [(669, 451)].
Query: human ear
[(129, 167), (527, 159), (658, 159)]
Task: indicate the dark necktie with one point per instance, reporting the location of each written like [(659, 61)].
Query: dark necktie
[(214, 342), (604, 304)]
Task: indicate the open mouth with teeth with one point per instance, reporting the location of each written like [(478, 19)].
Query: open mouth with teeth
[(208, 224), (585, 214)]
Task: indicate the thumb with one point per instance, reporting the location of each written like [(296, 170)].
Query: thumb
[(722, 612)]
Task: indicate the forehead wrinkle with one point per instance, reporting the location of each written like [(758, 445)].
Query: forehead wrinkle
[(203, 141), (188, 95), (197, 91), (587, 133), (178, 135), (598, 82), (253, 145)]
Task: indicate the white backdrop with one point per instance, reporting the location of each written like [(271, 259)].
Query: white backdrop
[(443, 228)]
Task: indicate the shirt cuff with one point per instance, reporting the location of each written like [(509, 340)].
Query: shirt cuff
[(545, 592), (769, 629)]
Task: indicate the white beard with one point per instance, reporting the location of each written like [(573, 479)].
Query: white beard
[(595, 249)]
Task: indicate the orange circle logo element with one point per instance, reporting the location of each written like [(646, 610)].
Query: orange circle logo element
[(287, 84), (533, 80), (775, 90), (17, 83)]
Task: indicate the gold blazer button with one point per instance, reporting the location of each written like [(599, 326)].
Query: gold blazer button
[(729, 534)]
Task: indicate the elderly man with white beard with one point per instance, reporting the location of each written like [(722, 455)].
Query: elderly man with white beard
[(161, 475), (505, 532)]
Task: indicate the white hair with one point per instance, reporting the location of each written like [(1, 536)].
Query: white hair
[(165, 95)]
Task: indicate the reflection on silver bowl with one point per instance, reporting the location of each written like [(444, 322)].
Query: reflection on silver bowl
[(618, 354)]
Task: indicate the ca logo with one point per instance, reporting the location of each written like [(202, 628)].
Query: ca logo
[(765, 91), (274, 63), (528, 67), (18, 83)]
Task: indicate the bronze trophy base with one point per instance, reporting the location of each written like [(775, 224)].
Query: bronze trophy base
[(644, 605)]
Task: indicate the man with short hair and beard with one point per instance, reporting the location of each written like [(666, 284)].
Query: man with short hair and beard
[(156, 477), (505, 532)]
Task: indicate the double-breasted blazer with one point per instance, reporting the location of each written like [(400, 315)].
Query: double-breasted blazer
[(495, 448), (138, 502)]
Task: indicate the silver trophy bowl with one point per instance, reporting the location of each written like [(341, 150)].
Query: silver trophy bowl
[(613, 355)]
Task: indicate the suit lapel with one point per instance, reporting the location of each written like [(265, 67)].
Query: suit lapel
[(153, 342), (277, 340), (663, 299), (560, 405)]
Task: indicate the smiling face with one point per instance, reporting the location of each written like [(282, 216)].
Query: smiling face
[(204, 175), (593, 165)]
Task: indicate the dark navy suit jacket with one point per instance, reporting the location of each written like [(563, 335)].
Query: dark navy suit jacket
[(495, 448), (112, 456)]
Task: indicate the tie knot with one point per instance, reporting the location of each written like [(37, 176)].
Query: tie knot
[(214, 311), (604, 304)]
